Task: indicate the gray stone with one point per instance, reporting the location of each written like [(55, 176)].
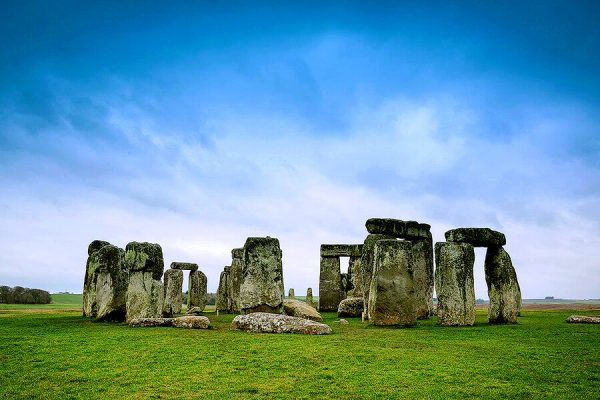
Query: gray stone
[(184, 266), (341, 250), (145, 257), (150, 322), (261, 322), (423, 277), (398, 228), (111, 283), (144, 297), (367, 262), (197, 290), (331, 291), (343, 322), (347, 285), (236, 277), (291, 294), (300, 309), (222, 303), (351, 307), (173, 283), (356, 276), (583, 319), (89, 280), (309, 298), (503, 287), (262, 288), (454, 283), (477, 237), (191, 322), (194, 311), (392, 293)]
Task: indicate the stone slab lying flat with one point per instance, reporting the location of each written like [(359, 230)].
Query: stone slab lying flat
[(477, 237), (398, 228), (351, 307), (300, 309), (191, 322), (583, 319), (148, 322), (341, 250), (277, 323), (184, 266)]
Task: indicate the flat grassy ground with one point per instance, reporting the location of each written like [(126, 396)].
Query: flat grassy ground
[(56, 353)]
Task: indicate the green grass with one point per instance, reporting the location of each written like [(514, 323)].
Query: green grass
[(62, 355)]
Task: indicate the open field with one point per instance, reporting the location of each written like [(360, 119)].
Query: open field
[(56, 353)]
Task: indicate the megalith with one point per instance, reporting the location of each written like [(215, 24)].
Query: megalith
[(423, 272), (503, 288), (197, 290), (291, 294), (185, 266), (309, 298), (145, 295), (235, 277), (173, 283), (355, 275), (477, 237), (89, 280), (454, 283), (262, 287), (392, 293), (111, 283), (367, 262), (331, 291), (222, 303)]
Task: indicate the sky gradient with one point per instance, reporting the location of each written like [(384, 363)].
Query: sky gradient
[(196, 126)]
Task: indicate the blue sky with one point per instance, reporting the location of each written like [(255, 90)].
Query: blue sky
[(198, 125)]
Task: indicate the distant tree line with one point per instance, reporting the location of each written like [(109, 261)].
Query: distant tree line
[(21, 295)]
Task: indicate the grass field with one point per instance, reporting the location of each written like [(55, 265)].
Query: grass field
[(56, 353)]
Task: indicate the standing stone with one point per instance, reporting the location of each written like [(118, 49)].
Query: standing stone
[(222, 303), (89, 280), (367, 262), (331, 291), (291, 294), (423, 276), (454, 283), (356, 278), (262, 287), (111, 283), (503, 287), (392, 293), (235, 277), (197, 290), (145, 295), (309, 298), (173, 283)]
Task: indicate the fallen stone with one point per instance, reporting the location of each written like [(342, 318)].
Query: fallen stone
[(145, 257), (111, 283), (173, 282), (583, 319), (477, 237), (392, 293), (454, 283), (503, 287), (149, 322), (341, 250), (260, 322), (197, 290), (309, 298), (191, 322), (194, 311), (184, 266), (262, 288), (398, 228), (423, 277), (331, 291), (300, 309), (367, 262), (145, 296), (351, 307), (343, 322)]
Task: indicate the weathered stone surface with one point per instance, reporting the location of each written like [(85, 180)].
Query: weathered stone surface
[(347, 286), (194, 311), (367, 262), (111, 283), (309, 298), (331, 291), (341, 250), (300, 309), (146, 257), (149, 322), (503, 287), (356, 276), (197, 290), (351, 307), (477, 237), (392, 293), (184, 266), (583, 319), (398, 228), (343, 322), (173, 283), (96, 245), (262, 287), (423, 277), (191, 322), (260, 322), (291, 294), (454, 283), (236, 277), (89, 280), (144, 298), (222, 299)]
